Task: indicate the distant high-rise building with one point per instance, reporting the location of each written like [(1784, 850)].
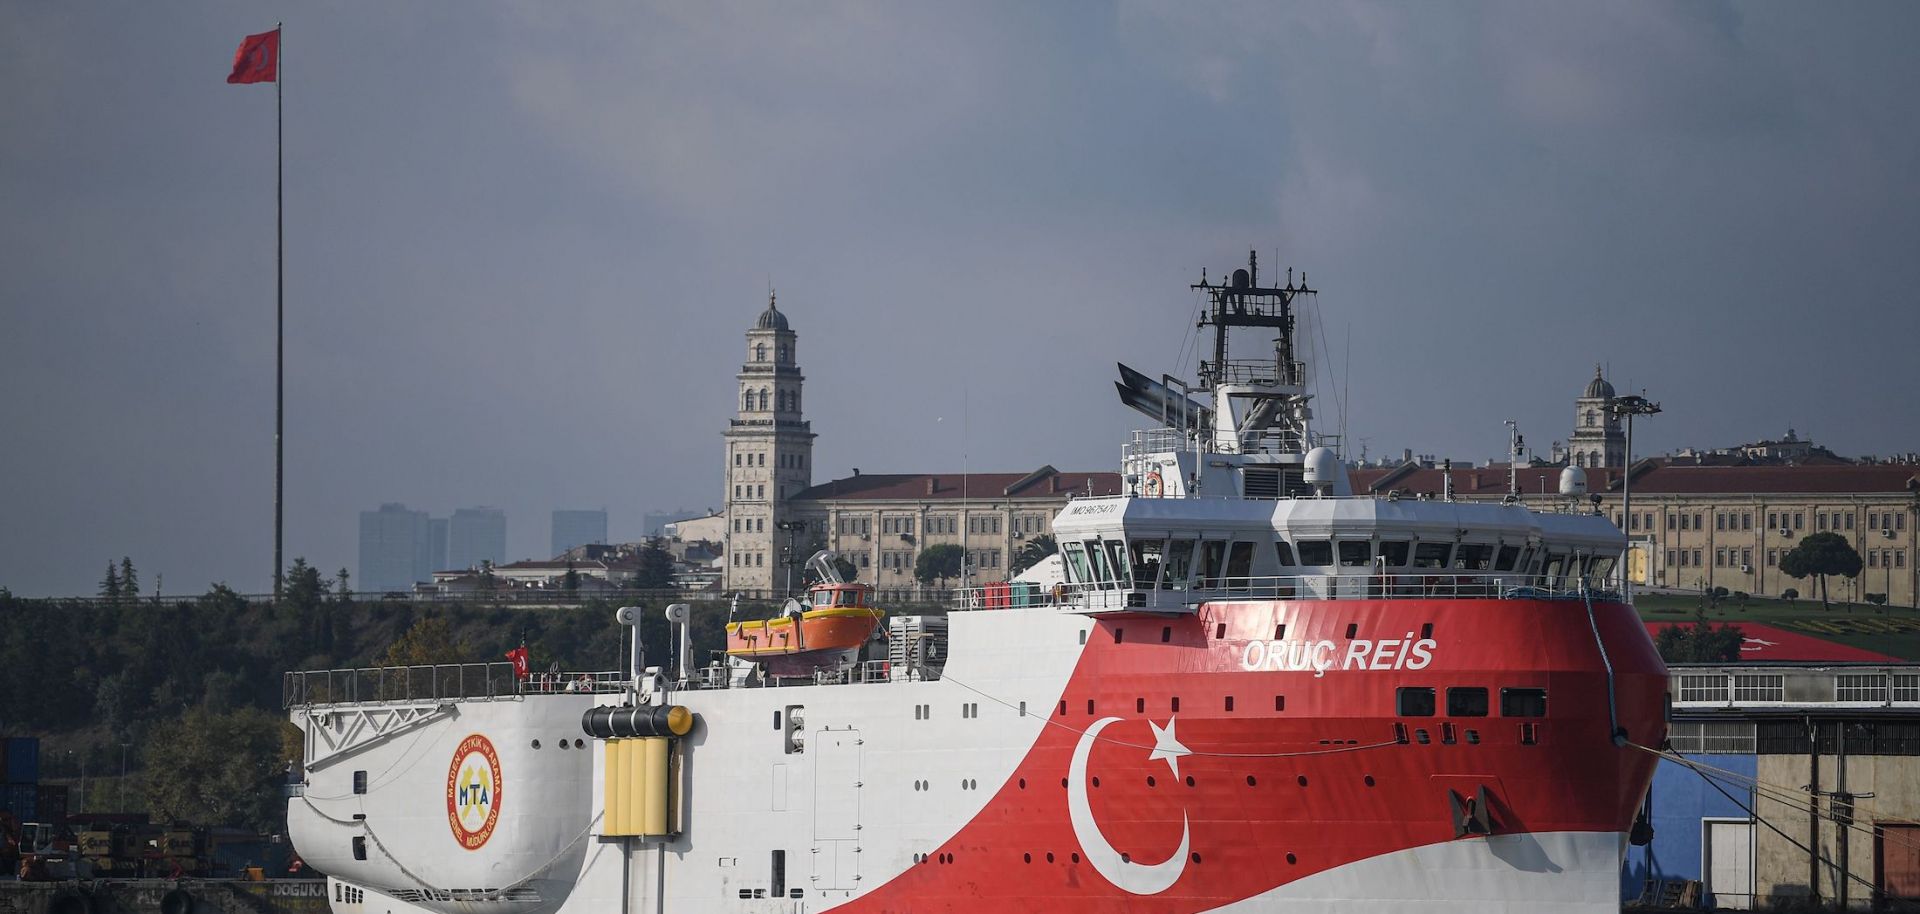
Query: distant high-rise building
[(394, 544), (436, 545), (578, 528), (476, 535)]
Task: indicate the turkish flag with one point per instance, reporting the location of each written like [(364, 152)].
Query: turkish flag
[(519, 657), (258, 60)]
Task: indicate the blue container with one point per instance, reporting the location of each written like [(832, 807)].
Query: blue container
[(22, 800), (23, 760)]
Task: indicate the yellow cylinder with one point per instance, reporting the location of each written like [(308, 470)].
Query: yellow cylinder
[(653, 783), (679, 720)]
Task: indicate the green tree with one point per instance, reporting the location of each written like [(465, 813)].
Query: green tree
[(304, 587), (655, 567), (219, 769), (110, 585), (570, 582), (428, 641), (487, 580), (129, 582), (1820, 555), (341, 588), (1031, 554), (938, 563)]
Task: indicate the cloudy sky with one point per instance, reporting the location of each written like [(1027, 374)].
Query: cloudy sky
[(523, 241)]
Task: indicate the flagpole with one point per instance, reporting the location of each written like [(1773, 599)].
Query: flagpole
[(279, 296)]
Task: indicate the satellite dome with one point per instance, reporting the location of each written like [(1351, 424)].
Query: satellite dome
[(771, 319), (1598, 388)]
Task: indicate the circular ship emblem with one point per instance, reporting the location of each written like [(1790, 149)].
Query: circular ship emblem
[(1135, 878), (473, 791)]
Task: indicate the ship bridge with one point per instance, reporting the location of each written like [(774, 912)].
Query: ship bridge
[(1170, 555)]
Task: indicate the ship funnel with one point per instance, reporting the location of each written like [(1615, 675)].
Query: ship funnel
[(1323, 471), (1573, 482)]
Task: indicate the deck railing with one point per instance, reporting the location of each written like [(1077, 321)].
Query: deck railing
[(1438, 586), (434, 682)]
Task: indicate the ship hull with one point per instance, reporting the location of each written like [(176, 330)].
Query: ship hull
[(1250, 756)]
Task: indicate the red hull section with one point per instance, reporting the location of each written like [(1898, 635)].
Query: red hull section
[(1294, 762)]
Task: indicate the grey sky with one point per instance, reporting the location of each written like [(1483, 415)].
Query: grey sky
[(523, 241)]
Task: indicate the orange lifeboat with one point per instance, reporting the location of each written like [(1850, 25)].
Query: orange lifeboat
[(826, 634)]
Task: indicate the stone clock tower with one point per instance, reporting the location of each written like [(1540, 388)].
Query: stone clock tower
[(769, 457)]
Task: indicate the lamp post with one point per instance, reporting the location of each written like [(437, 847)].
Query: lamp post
[(1628, 407)]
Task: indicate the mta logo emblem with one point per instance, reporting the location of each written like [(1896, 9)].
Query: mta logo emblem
[(474, 791)]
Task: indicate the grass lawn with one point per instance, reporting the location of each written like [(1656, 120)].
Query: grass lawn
[(1889, 630)]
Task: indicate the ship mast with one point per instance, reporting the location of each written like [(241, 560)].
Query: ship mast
[(1260, 403)]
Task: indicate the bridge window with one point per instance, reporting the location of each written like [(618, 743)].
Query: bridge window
[(1076, 563), (1523, 702), (1316, 552), (1505, 559), (1179, 565), (1467, 702), (1431, 555), (1213, 560), (1146, 556), (1394, 553), (1240, 565), (1411, 701), (1284, 552), (1474, 557), (1117, 562), (1355, 553)]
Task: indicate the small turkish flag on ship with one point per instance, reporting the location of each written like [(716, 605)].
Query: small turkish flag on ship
[(519, 657), (258, 60)]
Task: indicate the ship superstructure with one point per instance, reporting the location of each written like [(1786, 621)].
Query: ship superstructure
[(1253, 691)]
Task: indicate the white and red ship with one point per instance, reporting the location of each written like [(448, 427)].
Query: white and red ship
[(1254, 692)]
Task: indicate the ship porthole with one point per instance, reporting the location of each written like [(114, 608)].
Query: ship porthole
[(1291, 858), (1369, 780), (1027, 857), (1301, 780), (536, 744), (1196, 856), (1250, 780), (1076, 856), (1149, 780), (1189, 780), (1023, 783), (1049, 856), (1096, 782)]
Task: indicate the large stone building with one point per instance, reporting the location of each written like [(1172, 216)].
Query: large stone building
[(1721, 519), (776, 517)]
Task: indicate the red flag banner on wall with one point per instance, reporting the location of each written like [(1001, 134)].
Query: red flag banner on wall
[(519, 657), (258, 60)]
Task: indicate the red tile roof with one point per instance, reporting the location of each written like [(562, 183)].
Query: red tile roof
[(1656, 477), (1044, 483)]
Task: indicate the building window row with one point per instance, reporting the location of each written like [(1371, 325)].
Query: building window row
[(750, 525), (749, 491), (983, 523), (1889, 520), (942, 523), (749, 560), (896, 525), (1682, 558), (852, 526), (1732, 521), (1886, 558)]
